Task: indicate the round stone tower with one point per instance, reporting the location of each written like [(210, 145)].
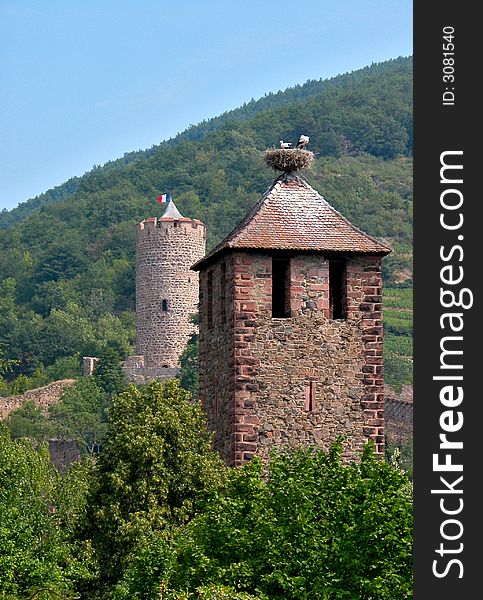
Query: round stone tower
[(166, 288)]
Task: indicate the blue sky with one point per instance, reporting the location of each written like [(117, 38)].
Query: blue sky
[(83, 81)]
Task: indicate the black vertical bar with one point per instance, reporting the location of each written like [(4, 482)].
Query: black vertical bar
[(447, 120)]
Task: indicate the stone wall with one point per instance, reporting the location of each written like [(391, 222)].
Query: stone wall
[(63, 452), (166, 288), (399, 414), (301, 380), (43, 397)]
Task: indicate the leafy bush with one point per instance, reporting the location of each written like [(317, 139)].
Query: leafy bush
[(35, 508), (152, 473), (310, 528)]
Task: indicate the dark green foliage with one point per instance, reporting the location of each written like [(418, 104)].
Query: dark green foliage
[(400, 451), (159, 516), (313, 529), (81, 415), (152, 473), (398, 340), (189, 376), (108, 374), (189, 366), (36, 512), (29, 421)]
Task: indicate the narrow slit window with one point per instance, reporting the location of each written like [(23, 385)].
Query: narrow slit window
[(337, 289), (209, 299), (310, 392), (164, 305), (223, 292), (281, 287)]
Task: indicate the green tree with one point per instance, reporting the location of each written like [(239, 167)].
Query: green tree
[(29, 421), (35, 552), (310, 527), (189, 375), (152, 473), (81, 415), (108, 373)]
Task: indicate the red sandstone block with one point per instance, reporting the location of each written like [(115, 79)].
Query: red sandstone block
[(247, 260), (372, 405), (248, 306), (366, 306), (369, 430), (370, 331), (246, 447), (317, 287), (247, 370), (373, 281), (368, 369), (372, 345), (250, 437), (374, 360), (240, 427), (252, 420)]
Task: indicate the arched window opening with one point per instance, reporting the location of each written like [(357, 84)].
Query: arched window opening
[(164, 306)]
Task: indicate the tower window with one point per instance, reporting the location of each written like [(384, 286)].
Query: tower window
[(337, 289), (164, 305), (310, 389), (280, 287), (223, 292), (209, 299)]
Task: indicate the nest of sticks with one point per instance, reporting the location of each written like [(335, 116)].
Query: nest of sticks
[(287, 160)]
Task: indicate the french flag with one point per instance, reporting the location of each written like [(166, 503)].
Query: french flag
[(164, 198)]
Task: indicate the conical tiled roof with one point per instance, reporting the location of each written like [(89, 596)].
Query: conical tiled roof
[(172, 212), (291, 215)]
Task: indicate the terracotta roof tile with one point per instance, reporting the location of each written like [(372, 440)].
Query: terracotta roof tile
[(291, 215)]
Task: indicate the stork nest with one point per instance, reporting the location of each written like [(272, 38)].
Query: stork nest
[(290, 159)]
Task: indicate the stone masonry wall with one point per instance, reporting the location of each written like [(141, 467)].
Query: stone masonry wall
[(399, 420), (43, 397), (265, 370), (165, 250)]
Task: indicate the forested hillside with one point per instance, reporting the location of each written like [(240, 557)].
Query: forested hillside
[(67, 256)]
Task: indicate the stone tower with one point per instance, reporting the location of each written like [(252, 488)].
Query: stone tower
[(291, 329), (166, 288)]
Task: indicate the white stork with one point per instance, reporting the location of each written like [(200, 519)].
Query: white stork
[(285, 145), (303, 141)]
